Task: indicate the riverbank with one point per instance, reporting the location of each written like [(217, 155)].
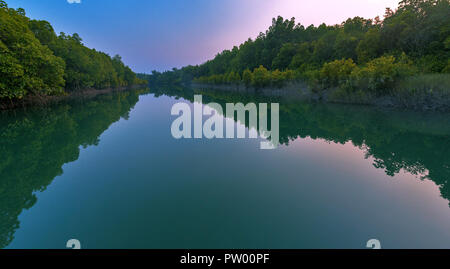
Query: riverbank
[(45, 100), (408, 95)]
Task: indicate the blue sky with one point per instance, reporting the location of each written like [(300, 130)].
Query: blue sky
[(161, 34)]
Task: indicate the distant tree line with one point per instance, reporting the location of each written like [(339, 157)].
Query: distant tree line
[(34, 60), (360, 54)]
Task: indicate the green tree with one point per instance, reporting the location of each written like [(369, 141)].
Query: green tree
[(369, 47), (34, 60), (380, 74), (277, 78), (26, 66), (247, 77), (261, 77), (337, 72), (284, 57), (418, 28)]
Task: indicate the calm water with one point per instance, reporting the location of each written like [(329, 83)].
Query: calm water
[(108, 173)]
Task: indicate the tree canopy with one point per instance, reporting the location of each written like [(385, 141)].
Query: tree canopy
[(34, 60), (417, 33)]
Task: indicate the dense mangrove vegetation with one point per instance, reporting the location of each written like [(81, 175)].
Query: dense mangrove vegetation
[(404, 54), (36, 61)]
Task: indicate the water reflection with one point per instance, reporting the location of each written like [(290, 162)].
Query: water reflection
[(36, 143), (416, 142)]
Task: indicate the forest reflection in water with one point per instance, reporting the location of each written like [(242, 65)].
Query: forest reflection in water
[(36, 143), (416, 142)]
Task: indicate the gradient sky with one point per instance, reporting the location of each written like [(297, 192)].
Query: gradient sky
[(161, 34)]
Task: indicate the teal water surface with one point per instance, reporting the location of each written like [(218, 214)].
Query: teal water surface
[(109, 173)]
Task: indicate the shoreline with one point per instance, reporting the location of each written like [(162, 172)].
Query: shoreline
[(45, 100), (301, 92)]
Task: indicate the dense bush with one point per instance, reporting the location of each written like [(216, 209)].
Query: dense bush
[(247, 77), (380, 75), (337, 72), (261, 77)]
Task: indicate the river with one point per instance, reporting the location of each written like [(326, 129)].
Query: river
[(108, 172)]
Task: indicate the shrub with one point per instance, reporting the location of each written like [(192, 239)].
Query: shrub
[(313, 80), (432, 64), (277, 78), (237, 78), (379, 75), (337, 72), (288, 75), (447, 68), (261, 77), (247, 77)]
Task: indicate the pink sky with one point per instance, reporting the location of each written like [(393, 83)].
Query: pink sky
[(255, 16)]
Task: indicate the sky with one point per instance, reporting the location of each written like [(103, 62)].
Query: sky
[(162, 34)]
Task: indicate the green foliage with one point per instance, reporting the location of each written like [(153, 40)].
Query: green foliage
[(34, 60), (247, 77), (302, 60), (432, 64), (261, 77), (419, 31), (380, 75), (88, 68), (337, 72), (233, 78), (277, 78), (26, 66), (369, 46), (447, 68), (284, 57)]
